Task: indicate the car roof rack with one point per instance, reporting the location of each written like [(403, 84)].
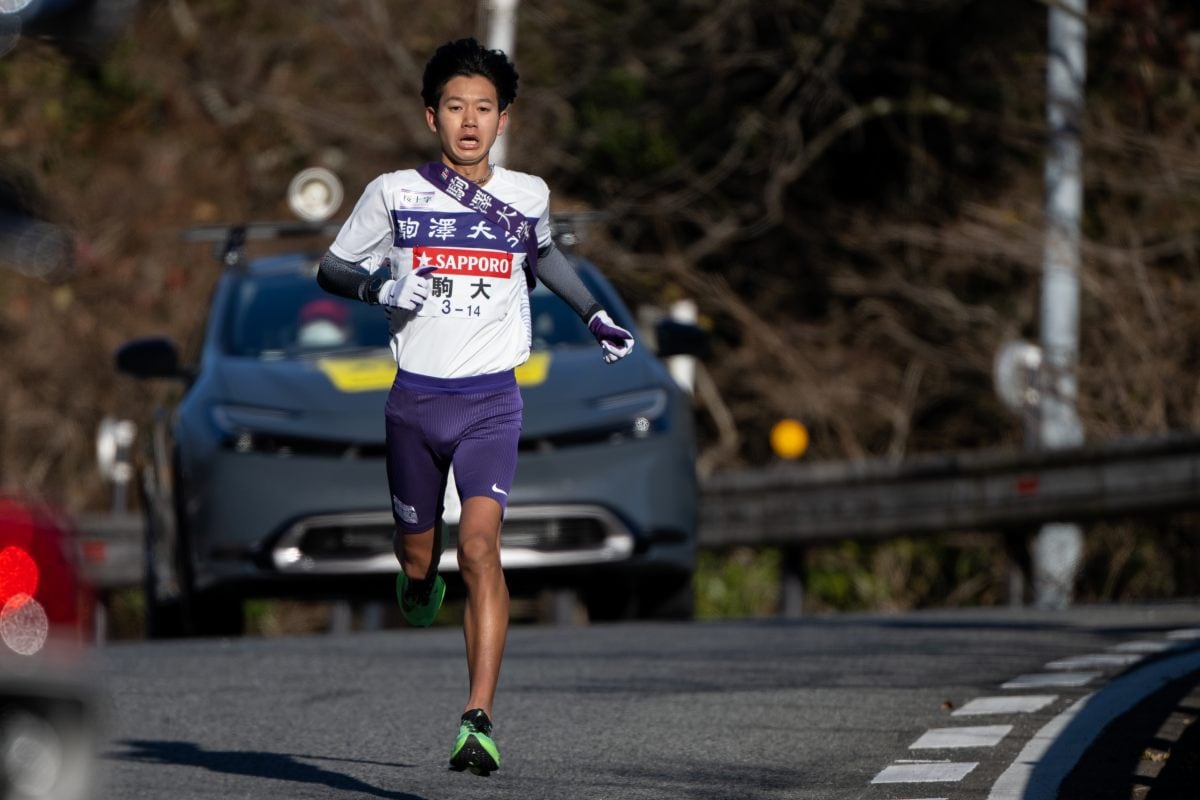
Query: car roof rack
[(567, 227), (230, 240)]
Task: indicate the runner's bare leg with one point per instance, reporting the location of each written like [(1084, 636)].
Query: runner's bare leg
[(485, 623), (415, 552)]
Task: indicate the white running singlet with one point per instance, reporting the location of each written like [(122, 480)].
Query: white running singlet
[(476, 319)]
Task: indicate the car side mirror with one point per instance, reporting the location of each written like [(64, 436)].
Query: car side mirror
[(153, 357), (681, 339)]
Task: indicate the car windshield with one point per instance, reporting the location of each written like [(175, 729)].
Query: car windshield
[(555, 324), (287, 315)]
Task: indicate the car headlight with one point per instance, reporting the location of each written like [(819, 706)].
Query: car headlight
[(642, 412), (240, 427)]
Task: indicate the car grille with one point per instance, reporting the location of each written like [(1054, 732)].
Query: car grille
[(532, 536), (550, 535), (346, 541), (290, 446)]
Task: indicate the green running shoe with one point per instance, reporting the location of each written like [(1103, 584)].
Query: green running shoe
[(420, 601), (474, 749)]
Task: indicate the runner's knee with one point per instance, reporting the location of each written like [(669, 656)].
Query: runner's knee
[(478, 551)]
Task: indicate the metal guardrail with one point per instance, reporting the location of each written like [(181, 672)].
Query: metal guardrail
[(824, 502), (976, 490), (111, 549)]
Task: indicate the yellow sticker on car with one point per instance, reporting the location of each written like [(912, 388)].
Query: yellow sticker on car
[(359, 374), (534, 371), (376, 373)]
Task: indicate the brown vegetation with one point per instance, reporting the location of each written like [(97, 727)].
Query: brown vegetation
[(851, 190)]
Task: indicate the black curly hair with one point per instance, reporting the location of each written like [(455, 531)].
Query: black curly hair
[(468, 57)]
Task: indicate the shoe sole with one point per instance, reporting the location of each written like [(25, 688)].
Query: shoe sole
[(474, 758), (439, 592)]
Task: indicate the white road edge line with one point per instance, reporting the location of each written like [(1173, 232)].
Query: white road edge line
[(1094, 712)]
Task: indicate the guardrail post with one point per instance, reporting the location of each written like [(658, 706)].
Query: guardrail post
[(791, 584), (1016, 547), (1058, 548)]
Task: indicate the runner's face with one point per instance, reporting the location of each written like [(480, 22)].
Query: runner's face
[(467, 120)]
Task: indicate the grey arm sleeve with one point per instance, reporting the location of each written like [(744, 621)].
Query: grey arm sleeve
[(559, 276), (347, 279)]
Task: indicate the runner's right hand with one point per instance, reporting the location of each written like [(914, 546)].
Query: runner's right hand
[(408, 293)]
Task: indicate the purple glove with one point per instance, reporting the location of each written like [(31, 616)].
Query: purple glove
[(615, 341)]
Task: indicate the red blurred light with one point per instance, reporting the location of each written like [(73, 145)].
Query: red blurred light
[(18, 574), (36, 548)]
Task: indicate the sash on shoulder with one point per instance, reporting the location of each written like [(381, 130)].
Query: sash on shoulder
[(471, 196)]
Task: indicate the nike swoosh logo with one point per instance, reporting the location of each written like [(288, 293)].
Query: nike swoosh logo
[(498, 490)]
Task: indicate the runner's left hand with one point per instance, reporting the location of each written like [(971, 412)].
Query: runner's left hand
[(615, 341)]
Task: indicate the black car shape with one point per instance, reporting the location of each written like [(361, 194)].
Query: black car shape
[(267, 477)]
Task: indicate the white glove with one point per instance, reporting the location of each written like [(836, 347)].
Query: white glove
[(615, 341), (407, 293)]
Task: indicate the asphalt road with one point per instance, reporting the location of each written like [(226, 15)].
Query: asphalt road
[(823, 708)]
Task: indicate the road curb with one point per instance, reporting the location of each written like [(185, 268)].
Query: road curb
[(1046, 760)]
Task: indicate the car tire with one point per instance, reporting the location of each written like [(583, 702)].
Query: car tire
[(611, 600), (164, 619), (669, 596), (217, 614), (165, 616)]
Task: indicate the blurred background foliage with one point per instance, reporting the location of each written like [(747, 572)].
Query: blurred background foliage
[(851, 190)]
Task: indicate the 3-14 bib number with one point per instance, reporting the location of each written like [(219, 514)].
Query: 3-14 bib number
[(465, 297)]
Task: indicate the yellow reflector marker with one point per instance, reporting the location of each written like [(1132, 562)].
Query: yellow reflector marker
[(359, 374), (789, 439), (533, 371)]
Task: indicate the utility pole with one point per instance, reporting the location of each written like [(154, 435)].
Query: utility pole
[(1058, 548), (502, 35)]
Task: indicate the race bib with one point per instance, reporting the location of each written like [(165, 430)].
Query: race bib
[(466, 283)]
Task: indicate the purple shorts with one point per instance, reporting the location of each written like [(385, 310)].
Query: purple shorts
[(471, 423)]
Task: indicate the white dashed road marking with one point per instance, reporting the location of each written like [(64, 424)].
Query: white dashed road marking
[(1142, 646), (1040, 679), (940, 738), (1096, 661), (1069, 741), (1010, 704), (925, 772), (1065, 737)]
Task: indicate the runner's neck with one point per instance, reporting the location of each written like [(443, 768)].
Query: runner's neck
[(478, 175)]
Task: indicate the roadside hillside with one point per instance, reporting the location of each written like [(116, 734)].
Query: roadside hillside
[(850, 190)]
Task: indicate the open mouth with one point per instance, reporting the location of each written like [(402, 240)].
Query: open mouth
[(468, 142)]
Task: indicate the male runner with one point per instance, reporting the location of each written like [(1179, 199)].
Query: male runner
[(459, 241)]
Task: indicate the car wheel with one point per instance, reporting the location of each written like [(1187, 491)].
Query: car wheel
[(217, 614), (669, 596), (164, 619), (610, 600), (165, 616)]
